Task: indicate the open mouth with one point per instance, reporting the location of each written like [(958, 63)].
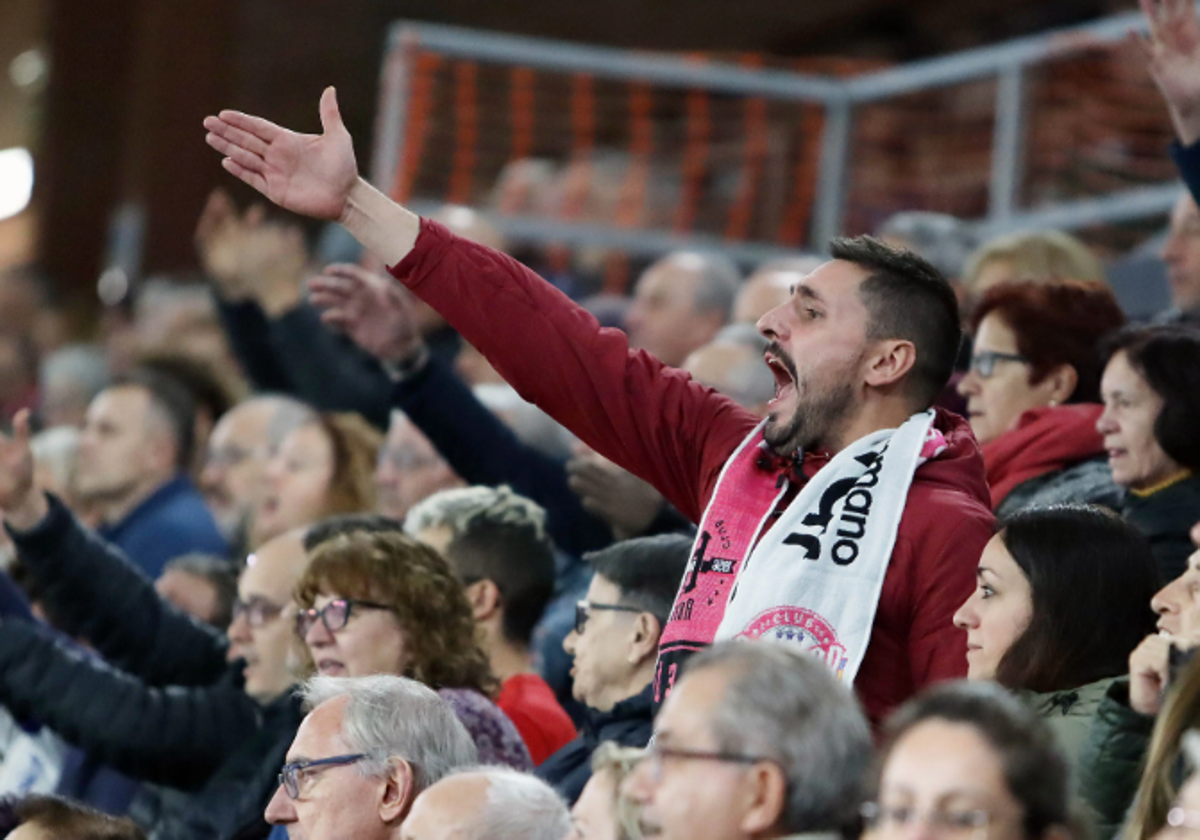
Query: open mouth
[(783, 370), (331, 668)]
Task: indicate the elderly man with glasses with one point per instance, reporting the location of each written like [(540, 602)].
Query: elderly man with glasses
[(615, 645), (366, 749), (757, 741)]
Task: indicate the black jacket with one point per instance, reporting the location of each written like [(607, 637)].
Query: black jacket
[(630, 724), (1165, 517), (166, 707)]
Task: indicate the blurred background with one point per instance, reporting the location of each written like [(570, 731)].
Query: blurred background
[(103, 169)]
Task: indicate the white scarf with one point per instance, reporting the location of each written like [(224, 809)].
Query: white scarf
[(815, 577)]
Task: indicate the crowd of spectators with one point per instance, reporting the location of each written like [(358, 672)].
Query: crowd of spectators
[(425, 547)]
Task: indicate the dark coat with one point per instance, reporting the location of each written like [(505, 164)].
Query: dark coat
[(629, 723), (1166, 517), (1111, 762), (166, 707)]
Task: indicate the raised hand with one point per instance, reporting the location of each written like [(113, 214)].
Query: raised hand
[(23, 504), (310, 174), (617, 496), (376, 312), (1173, 55)]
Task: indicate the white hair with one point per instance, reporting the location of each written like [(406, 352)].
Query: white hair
[(461, 508), (519, 806), (389, 717)]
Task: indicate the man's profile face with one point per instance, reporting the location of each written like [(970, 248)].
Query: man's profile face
[(408, 469), (602, 670), (688, 798), (662, 319), (818, 345), (335, 801), (232, 479), (114, 447), (1181, 253)]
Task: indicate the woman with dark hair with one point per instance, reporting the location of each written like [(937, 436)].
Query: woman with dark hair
[(1151, 429), (969, 759), (380, 602), (1063, 599), (1033, 392), (321, 469)]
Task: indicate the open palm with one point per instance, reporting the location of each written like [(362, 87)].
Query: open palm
[(1173, 53), (309, 174)]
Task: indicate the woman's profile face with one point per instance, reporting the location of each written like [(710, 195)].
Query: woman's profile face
[(370, 642), (1131, 408), (944, 781), (998, 611), (297, 477)]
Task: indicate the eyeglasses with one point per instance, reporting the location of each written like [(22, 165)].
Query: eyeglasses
[(656, 753), (256, 610), (984, 362), (333, 615), (289, 777), (894, 818), (583, 609)]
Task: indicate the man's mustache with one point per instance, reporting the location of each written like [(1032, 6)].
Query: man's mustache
[(781, 355)]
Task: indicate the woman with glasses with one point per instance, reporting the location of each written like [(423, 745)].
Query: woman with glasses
[(968, 761), (1033, 392), (383, 603), (321, 469), (1151, 429), (1062, 600)]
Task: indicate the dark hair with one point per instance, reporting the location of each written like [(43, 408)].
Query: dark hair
[(61, 817), (1057, 322), (909, 299), (218, 573), (1091, 576), (350, 523), (517, 559), (646, 570), (1035, 770), (1168, 358), (172, 400), (209, 389)]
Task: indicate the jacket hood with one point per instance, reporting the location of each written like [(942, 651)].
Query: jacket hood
[(960, 466)]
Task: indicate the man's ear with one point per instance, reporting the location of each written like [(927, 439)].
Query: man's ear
[(765, 799), (889, 362), (643, 638), (485, 599), (399, 790)]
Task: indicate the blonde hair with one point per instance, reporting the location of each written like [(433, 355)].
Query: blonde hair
[(1158, 788), (611, 757), (1037, 255)]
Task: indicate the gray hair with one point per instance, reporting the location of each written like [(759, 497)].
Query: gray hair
[(786, 705), (461, 508), (389, 717), (80, 365), (943, 240), (519, 806), (719, 279), (290, 414)]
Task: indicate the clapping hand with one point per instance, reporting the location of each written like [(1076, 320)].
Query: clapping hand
[(376, 312)]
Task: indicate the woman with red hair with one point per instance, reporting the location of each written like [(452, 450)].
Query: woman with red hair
[(1033, 392)]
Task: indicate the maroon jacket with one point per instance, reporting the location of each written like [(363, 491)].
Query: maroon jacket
[(659, 424)]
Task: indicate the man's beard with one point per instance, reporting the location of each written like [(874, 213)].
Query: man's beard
[(819, 411)]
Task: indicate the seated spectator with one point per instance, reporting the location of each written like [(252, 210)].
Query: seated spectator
[(68, 380), (732, 364), (378, 602), (239, 449), (409, 469), (615, 645), (1116, 749), (1060, 605), (321, 469), (364, 751), (134, 455), (496, 543), (202, 586), (1034, 255), (1151, 390), (1033, 392), (679, 304), (970, 759), (769, 286), (602, 812), (488, 803), (55, 818), (757, 741)]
